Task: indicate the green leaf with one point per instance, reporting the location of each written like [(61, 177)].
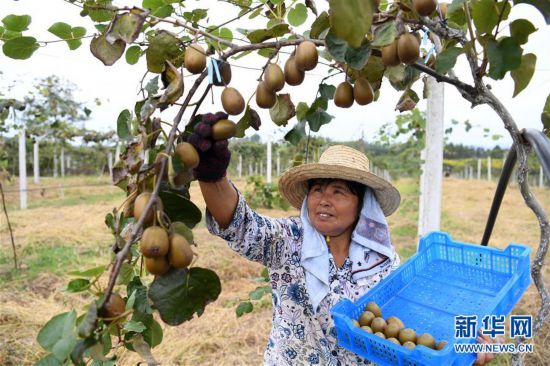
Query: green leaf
[(261, 35), (523, 74), (126, 27), (134, 326), (77, 355), (20, 48), (153, 332), (455, 5), (257, 294), (106, 52), (350, 20), (99, 10), (542, 5), (164, 11), (317, 119), (195, 15), (92, 272), (49, 360), (87, 326), (223, 33), (16, 23), (446, 60), (152, 4), (178, 207), (283, 110), (503, 56), (164, 46), (243, 308), (297, 15), (141, 302), (132, 55), (57, 336), (78, 285), (152, 87), (545, 115), (6, 34), (384, 34), (301, 111), (126, 274), (182, 229), (298, 132), (320, 24), (327, 91), (520, 29), (180, 293), (123, 125), (356, 58), (249, 119), (485, 15), (69, 34)]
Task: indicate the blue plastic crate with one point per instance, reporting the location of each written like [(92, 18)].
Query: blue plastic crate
[(445, 278)]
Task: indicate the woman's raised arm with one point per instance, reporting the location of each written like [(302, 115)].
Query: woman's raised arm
[(221, 200)]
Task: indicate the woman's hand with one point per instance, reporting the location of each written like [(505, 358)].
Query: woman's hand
[(484, 358), (214, 155)]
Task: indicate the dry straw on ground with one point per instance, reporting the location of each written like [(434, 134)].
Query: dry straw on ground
[(217, 337)]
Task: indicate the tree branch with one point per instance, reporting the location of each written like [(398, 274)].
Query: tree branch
[(9, 227), (121, 256)]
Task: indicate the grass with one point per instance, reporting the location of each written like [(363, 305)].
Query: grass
[(54, 237)]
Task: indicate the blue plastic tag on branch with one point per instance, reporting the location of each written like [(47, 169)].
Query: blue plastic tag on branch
[(213, 71)]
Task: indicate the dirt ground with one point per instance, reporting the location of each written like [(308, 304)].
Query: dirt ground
[(57, 235)]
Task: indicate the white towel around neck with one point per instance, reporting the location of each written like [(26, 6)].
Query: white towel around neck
[(370, 249)]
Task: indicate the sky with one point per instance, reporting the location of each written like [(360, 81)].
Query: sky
[(117, 86)]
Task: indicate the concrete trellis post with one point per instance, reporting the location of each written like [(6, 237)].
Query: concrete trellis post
[(55, 163), (478, 169), (36, 162), (22, 170), (489, 168), (268, 165), (249, 169), (541, 177), (240, 167), (432, 170), (110, 163), (62, 161), (278, 164)]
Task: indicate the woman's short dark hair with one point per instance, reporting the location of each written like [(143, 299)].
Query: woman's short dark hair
[(355, 188)]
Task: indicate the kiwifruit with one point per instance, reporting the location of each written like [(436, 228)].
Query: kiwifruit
[(426, 339), (265, 98), (394, 340), (223, 129), (188, 155), (180, 254), (366, 318), (183, 177), (157, 266), (154, 242), (408, 48), (392, 330), (356, 323), (114, 307), (407, 335), (441, 345), (424, 7), (293, 75), (274, 78), (225, 73), (389, 55), (195, 58), (409, 345), (362, 92), (374, 308), (343, 97), (396, 320), (378, 325), (366, 328), (306, 56), (139, 206), (232, 101), (380, 334)]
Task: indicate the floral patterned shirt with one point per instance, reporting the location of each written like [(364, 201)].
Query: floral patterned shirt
[(300, 335)]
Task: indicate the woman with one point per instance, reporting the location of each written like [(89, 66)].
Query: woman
[(338, 248)]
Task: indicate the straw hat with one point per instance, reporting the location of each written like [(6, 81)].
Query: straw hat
[(338, 162)]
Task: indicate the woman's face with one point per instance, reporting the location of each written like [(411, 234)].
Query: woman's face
[(332, 208)]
